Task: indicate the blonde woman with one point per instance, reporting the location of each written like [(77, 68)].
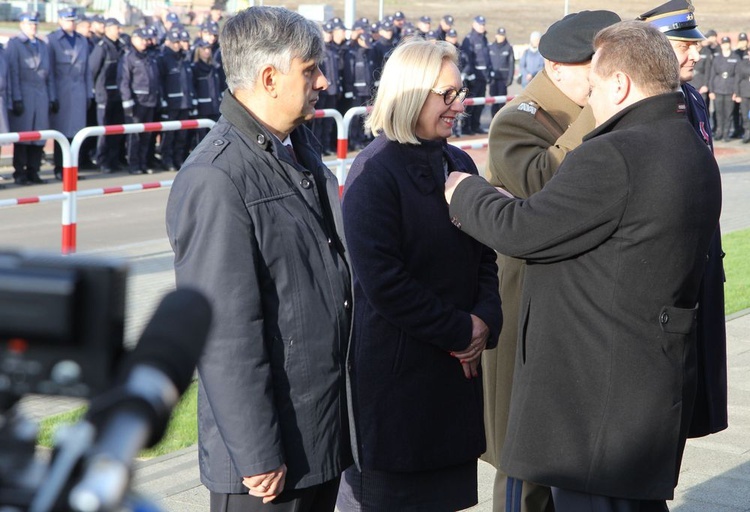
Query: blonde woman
[(426, 298)]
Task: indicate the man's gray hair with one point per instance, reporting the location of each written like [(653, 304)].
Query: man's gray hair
[(259, 36)]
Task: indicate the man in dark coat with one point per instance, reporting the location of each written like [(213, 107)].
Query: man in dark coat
[(31, 88), (710, 415), (73, 88), (616, 243), (255, 222), (528, 141)]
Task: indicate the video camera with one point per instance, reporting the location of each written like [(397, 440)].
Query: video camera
[(61, 333)]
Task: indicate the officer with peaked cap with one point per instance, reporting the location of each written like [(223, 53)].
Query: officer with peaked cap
[(503, 67), (710, 410), (103, 63), (477, 50), (528, 140), (31, 90)]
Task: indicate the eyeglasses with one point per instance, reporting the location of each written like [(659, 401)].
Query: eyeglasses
[(450, 95)]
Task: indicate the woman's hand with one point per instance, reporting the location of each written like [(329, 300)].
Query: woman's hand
[(471, 355)]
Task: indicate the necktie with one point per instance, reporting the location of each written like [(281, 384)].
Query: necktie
[(290, 149)]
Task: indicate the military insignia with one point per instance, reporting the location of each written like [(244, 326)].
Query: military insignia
[(529, 107)]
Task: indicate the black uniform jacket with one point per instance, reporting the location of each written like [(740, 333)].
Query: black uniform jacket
[(616, 245), (262, 237)]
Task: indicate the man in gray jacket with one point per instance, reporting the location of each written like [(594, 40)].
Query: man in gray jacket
[(255, 223)]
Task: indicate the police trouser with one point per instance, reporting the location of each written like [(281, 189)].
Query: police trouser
[(174, 143), (27, 159), (138, 142), (477, 89), (108, 147), (323, 127), (498, 88), (744, 112), (724, 105)]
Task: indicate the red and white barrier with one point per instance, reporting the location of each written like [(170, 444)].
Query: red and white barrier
[(70, 174), (67, 199), (70, 157)]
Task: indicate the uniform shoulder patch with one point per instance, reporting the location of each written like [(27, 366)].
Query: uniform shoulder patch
[(528, 106)]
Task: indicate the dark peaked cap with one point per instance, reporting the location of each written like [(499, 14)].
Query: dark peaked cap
[(571, 40), (675, 20)]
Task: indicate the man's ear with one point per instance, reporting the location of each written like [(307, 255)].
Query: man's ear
[(268, 78), (621, 87)]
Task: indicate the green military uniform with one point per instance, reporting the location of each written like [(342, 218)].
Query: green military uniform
[(528, 140)]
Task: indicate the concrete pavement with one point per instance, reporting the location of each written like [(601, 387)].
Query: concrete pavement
[(715, 474)]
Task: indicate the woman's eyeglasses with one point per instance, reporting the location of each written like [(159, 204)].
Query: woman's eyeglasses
[(450, 95)]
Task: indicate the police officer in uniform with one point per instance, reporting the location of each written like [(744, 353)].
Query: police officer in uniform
[(478, 52), (103, 64), (446, 23), (677, 21), (72, 89), (31, 90), (503, 67), (345, 99), (721, 87), (528, 141), (742, 93), (177, 98), (138, 78), (207, 85), (382, 48), (363, 83), (700, 80), (323, 128)]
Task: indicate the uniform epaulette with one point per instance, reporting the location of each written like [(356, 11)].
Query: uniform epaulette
[(530, 107)]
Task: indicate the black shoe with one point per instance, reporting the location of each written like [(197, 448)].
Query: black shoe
[(58, 175), (135, 171), (21, 180), (35, 179)]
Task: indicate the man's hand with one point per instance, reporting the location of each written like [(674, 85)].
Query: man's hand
[(266, 485), (452, 182)]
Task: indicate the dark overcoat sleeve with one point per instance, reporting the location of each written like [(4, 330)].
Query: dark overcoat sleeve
[(215, 251), (577, 210)]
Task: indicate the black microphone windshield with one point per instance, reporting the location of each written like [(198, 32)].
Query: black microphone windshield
[(174, 338)]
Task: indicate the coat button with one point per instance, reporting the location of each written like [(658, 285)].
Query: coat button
[(347, 305), (218, 142), (305, 183), (261, 138), (330, 241), (664, 318)]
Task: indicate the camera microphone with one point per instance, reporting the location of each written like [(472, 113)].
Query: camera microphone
[(134, 415)]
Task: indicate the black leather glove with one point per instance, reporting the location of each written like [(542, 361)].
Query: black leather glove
[(54, 106), (17, 108)]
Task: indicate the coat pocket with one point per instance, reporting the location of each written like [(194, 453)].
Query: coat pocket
[(678, 344)]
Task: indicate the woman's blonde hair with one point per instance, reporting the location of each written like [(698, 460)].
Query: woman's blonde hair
[(409, 74)]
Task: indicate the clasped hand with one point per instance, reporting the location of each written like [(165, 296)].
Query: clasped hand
[(471, 356), (266, 485)]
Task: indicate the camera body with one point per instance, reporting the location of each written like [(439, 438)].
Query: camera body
[(61, 324)]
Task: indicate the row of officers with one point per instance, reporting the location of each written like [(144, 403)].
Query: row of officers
[(353, 66), (722, 76), (70, 81)]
